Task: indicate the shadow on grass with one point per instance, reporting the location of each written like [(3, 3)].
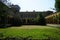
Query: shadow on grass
[(27, 38), (8, 25)]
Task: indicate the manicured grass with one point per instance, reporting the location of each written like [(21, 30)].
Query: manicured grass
[(41, 32)]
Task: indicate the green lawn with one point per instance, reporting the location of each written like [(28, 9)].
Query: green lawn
[(41, 32)]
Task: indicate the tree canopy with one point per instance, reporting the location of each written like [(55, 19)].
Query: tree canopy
[(57, 5), (15, 8)]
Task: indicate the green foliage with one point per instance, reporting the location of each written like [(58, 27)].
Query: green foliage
[(3, 6), (3, 14), (3, 9), (41, 20), (57, 5), (36, 19), (4, 19)]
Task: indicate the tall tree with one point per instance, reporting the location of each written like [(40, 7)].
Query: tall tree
[(15, 8), (57, 5), (3, 1), (41, 20)]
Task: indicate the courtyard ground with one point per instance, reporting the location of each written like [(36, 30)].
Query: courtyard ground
[(54, 25), (35, 31)]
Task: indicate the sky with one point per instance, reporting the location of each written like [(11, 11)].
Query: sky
[(37, 5)]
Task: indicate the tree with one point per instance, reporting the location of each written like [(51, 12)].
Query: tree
[(41, 20), (36, 20), (5, 11), (3, 1), (15, 8), (57, 5)]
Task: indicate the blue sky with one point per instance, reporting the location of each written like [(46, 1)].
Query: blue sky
[(37, 5)]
